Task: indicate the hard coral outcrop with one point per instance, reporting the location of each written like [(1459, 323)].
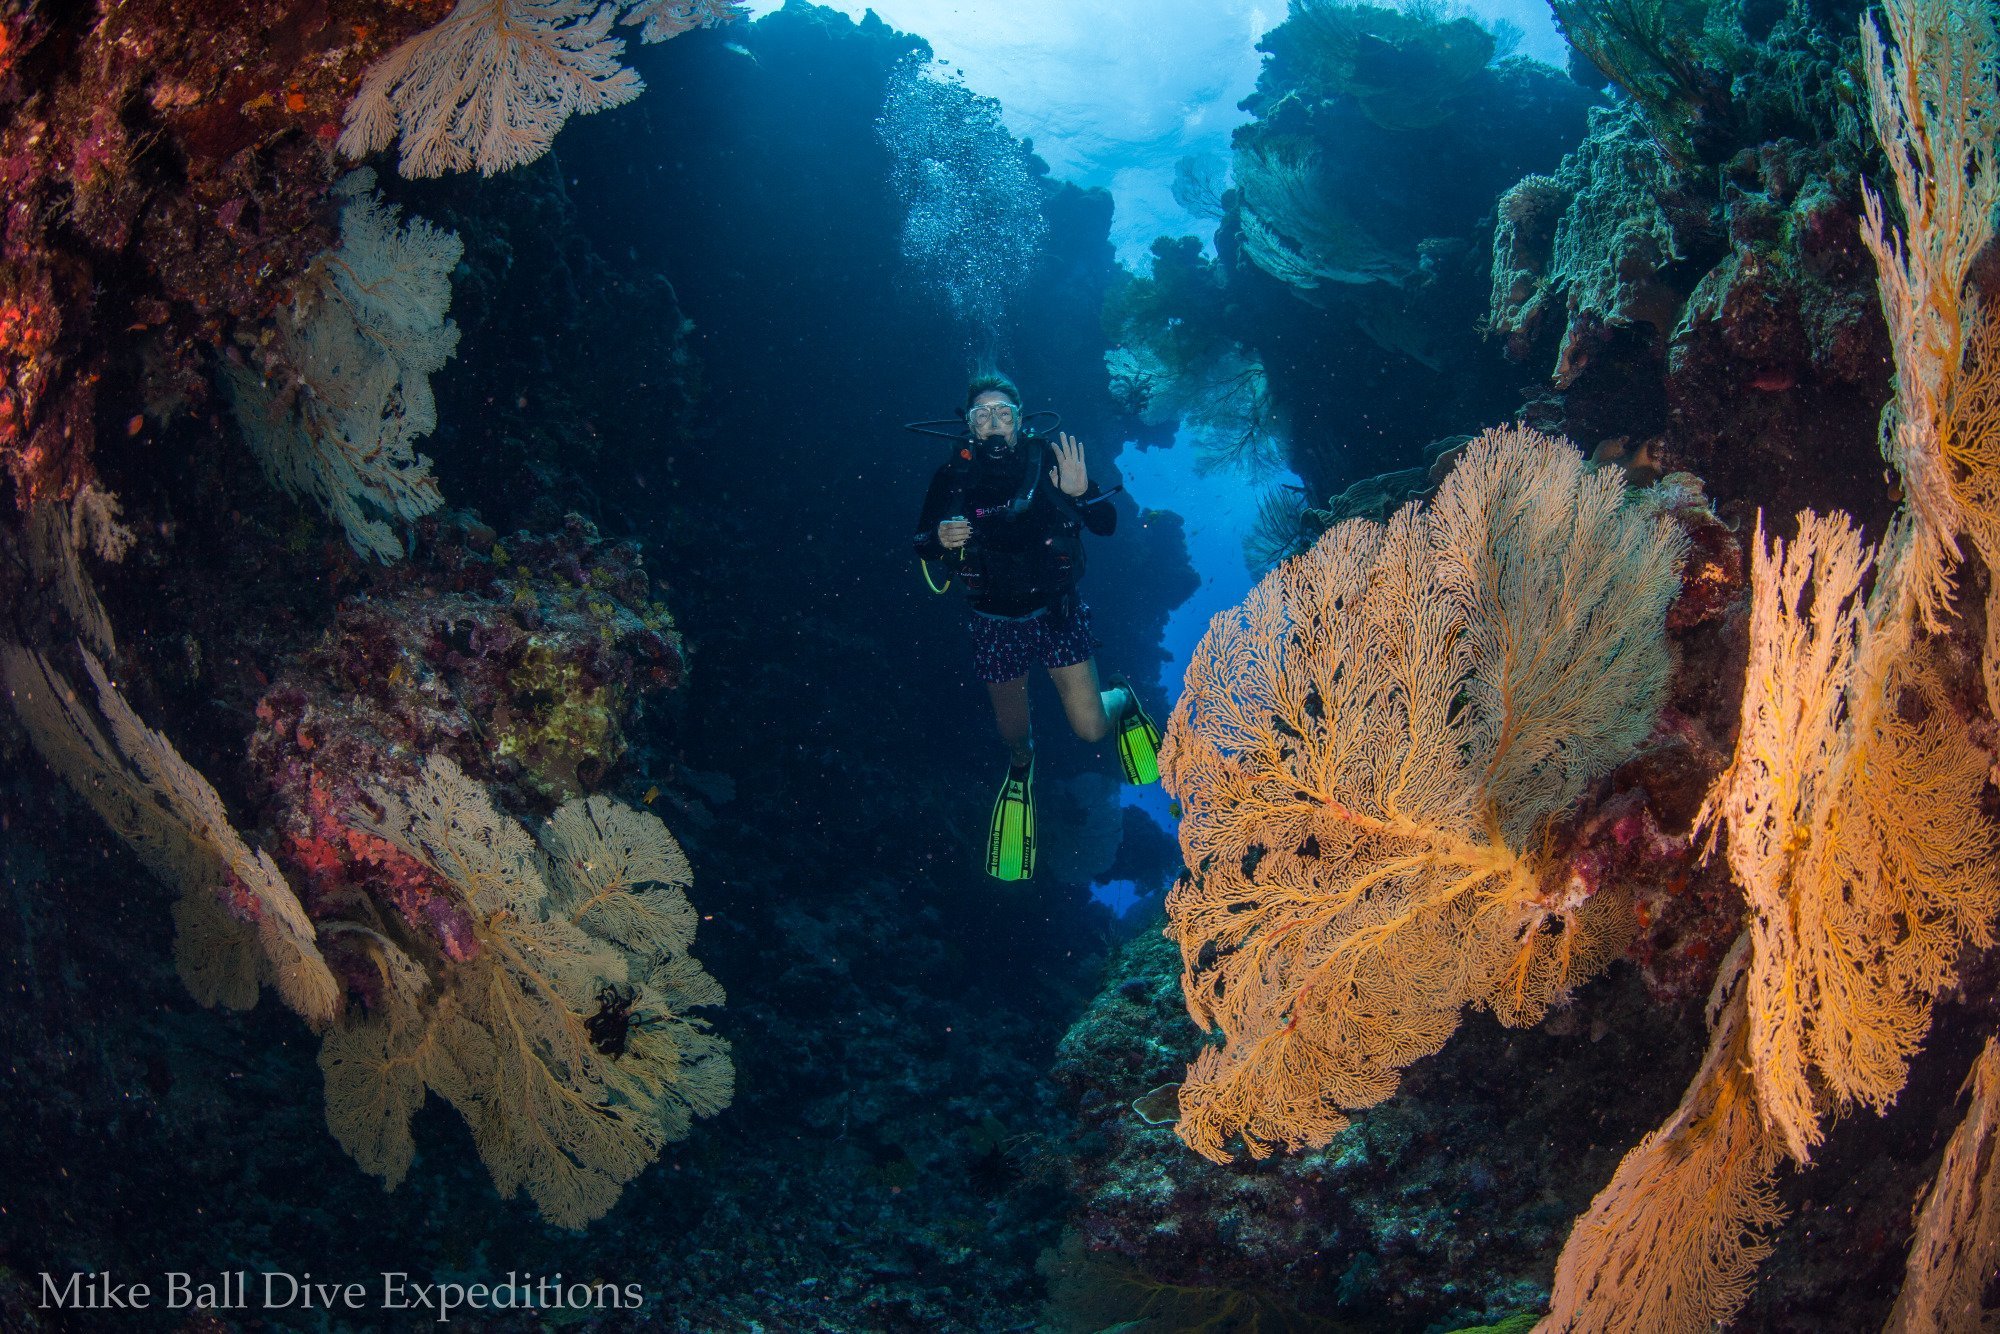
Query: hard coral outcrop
[(1691, 273), (182, 148), (524, 662)]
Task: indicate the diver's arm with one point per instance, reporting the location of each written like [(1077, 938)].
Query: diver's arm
[(1100, 516), (936, 500), (1092, 509)]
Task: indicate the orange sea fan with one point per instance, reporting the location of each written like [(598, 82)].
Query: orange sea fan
[(1367, 751)]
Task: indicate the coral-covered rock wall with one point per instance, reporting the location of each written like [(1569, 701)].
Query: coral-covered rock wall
[(1682, 289), (165, 170), (670, 570)]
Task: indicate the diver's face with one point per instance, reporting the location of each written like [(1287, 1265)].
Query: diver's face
[(993, 416)]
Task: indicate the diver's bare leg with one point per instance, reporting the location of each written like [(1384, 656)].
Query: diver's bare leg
[(1090, 708), (1010, 715)]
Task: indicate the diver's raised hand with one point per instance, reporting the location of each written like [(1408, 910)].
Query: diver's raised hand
[(954, 533), (1069, 474)]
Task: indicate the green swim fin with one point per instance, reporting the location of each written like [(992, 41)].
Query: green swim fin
[(1010, 838), (1138, 740)]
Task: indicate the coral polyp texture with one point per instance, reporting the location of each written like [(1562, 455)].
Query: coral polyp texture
[(1368, 753), (525, 663)]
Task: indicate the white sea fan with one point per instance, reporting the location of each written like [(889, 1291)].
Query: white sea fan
[(339, 420), (490, 86), (237, 921)]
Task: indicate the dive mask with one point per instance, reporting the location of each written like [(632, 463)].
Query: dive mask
[(985, 415)]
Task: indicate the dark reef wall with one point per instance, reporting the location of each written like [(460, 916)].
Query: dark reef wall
[(1692, 278), (164, 168), (685, 328)]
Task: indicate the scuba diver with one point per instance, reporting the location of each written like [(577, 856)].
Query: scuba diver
[(1005, 514)]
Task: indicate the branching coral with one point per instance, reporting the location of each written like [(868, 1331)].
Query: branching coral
[(354, 354), (491, 85), (625, 879), (564, 1039), (1853, 805), (659, 20), (552, 58), (1368, 751), (59, 532), (1852, 809), (1280, 530), (1224, 402), (238, 921)]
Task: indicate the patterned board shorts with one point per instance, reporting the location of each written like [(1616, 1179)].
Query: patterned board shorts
[(1005, 649)]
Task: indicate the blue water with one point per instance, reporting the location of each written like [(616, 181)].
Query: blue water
[(1114, 95), (1218, 509)]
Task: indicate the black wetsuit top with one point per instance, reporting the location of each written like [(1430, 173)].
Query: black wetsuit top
[(1013, 566)]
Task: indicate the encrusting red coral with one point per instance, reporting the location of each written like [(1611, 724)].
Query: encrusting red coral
[(338, 858), (189, 144), (29, 325), (522, 661)]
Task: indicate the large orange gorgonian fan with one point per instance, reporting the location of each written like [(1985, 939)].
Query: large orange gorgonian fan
[(1367, 752)]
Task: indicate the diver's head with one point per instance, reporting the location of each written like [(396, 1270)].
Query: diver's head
[(993, 411)]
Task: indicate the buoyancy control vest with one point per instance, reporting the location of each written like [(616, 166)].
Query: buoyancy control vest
[(1026, 552)]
